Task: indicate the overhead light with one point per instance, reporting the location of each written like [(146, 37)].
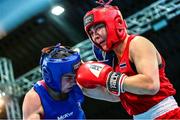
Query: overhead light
[(57, 10)]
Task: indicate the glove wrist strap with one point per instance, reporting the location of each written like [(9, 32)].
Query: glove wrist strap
[(114, 83)]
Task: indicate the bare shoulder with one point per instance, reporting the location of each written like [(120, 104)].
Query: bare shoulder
[(140, 41), (32, 98), (31, 104), (31, 95), (141, 46)]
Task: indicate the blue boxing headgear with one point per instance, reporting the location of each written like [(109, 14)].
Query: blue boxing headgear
[(56, 62)]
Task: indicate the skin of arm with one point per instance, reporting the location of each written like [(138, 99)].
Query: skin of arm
[(99, 93), (145, 57), (32, 108)]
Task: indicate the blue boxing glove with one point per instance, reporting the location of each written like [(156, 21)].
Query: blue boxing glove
[(104, 57)]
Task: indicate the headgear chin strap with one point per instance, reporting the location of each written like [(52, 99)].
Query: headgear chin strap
[(114, 23), (57, 61)]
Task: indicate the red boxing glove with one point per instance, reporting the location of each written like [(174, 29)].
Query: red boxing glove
[(91, 74)]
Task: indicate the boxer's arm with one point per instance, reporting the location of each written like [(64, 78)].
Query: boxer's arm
[(145, 57), (100, 93), (32, 108)]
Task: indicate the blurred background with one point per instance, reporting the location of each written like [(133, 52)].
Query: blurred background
[(26, 26)]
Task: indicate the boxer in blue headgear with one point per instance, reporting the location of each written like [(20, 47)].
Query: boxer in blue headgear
[(58, 62), (57, 96)]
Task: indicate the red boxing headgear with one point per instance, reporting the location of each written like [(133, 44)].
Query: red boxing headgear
[(112, 18)]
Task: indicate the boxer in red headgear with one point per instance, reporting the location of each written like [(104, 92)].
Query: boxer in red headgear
[(111, 17), (138, 77)]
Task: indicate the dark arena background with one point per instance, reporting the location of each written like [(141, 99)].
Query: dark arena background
[(26, 26)]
